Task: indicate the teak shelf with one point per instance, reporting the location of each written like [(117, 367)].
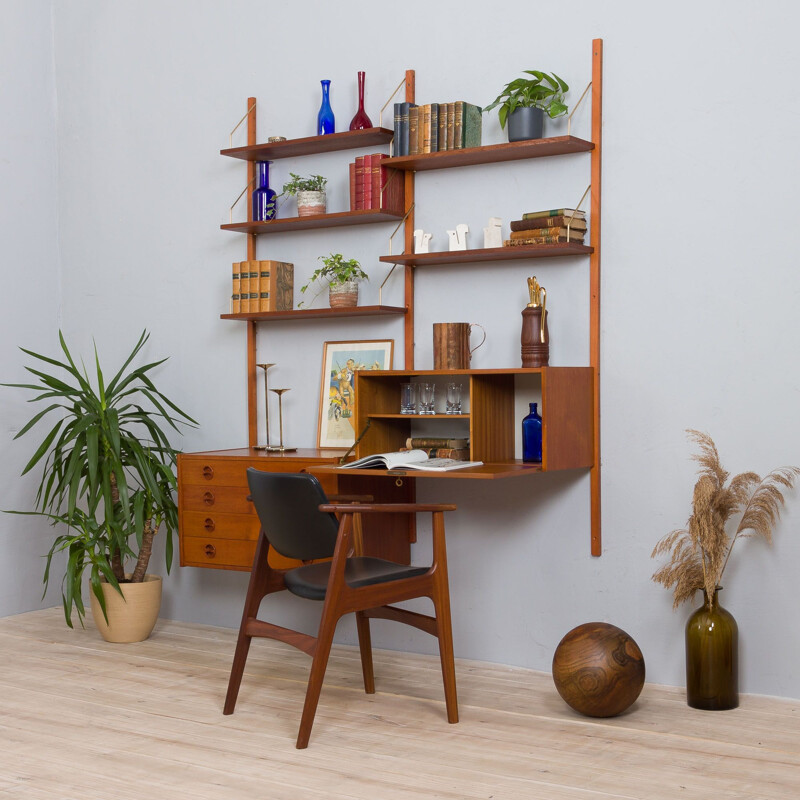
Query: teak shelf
[(492, 154), (311, 145), (489, 254), (335, 220), (570, 395), (318, 313)]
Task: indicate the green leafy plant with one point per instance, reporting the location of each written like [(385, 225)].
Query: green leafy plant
[(109, 470), (542, 91), (335, 271), (314, 183)]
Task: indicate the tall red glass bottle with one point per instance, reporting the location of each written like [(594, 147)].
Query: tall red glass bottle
[(360, 120)]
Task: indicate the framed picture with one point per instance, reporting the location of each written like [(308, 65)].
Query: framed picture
[(337, 387)]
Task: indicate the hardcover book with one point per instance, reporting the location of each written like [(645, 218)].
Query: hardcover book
[(275, 286), (548, 222), (236, 288), (541, 240), (556, 212), (435, 441), (414, 114), (556, 231)]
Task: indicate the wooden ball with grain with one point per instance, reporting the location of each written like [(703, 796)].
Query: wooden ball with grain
[(598, 669)]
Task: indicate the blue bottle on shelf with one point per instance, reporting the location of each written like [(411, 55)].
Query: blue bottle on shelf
[(326, 122), (264, 198), (532, 437)]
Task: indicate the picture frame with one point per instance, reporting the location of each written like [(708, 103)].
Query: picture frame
[(337, 391)]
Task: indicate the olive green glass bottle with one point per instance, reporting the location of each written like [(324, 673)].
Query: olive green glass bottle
[(712, 657)]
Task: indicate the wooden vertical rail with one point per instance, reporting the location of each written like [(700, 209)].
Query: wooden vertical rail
[(594, 281), (252, 391), (408, 244)]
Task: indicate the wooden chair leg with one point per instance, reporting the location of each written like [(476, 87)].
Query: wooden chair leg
[(256, 589), (444, 628), (365, 646), (318, 665)]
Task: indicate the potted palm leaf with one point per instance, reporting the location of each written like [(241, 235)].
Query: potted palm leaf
[(109, 477)]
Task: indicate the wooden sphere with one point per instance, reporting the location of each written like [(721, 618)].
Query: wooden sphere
[(598, 669)]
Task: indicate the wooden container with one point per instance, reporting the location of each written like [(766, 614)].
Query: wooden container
[(451, 344)]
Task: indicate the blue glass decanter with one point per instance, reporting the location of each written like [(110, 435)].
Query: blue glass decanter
[(532, 436), (264, 198), (325, 119)]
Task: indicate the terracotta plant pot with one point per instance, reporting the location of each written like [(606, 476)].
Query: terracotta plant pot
[(343, 295), (132, 617), (309, 203)]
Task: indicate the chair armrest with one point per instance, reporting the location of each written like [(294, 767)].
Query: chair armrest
[(350, 498), (387, 508)]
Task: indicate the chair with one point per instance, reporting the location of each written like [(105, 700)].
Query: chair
[(300, 523)]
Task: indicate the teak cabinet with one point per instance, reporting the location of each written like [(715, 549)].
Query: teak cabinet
[(569, 396)]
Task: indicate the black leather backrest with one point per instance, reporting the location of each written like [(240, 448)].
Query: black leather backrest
[(288, 508)]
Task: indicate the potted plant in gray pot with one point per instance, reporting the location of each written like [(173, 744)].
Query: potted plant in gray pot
[(109, 477), (310, 193), (342, 277), (524, 102)]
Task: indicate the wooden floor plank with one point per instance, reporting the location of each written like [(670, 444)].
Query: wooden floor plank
[(83, 718)]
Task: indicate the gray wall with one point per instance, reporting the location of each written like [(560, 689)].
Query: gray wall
[(699, 287), (30, 283)]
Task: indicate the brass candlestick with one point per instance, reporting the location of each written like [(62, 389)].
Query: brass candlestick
[(281, 448), (266, 446)]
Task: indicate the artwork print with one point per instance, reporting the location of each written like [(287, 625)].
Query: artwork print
[(340, 361)]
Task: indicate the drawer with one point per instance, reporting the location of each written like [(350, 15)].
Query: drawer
[(220, 526), (228, 499), (212, 551), (214, 472)]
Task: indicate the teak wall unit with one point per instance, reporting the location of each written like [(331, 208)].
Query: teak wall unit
[(570, 396)]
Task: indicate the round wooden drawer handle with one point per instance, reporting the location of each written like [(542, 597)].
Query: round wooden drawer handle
[(208, 498), (209, 524), (210, 550), (208, 472)]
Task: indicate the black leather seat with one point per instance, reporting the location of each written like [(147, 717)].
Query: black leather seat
[(300, 523)]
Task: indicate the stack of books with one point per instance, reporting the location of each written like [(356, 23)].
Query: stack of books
[(548, 227), (262, 286), (435, 127), (374, 186)]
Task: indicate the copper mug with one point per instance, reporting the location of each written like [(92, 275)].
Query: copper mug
[(451, 344)]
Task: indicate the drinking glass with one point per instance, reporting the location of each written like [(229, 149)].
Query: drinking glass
[(408, 398), (426, 398), (453, 405)]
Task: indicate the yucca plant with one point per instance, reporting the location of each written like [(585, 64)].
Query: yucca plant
[(109, 470)]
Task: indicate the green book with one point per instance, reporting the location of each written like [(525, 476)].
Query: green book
[(473, 120)]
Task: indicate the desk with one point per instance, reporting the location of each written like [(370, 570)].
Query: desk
[(218, 527)]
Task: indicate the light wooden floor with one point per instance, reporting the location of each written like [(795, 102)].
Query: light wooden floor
[(80, 718)]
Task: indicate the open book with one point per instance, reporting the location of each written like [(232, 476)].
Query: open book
[(410, 459)]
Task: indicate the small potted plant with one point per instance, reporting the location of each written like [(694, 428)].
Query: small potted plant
[(524, 101), (310, 193), (108, 483), (342, 277)]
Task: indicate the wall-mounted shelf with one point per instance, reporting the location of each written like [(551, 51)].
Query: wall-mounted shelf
[(492, 154), (336, 220), (310, 145), (489, 254), (318, 313)]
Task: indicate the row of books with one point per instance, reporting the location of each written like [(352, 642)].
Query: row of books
[(262, 286), (374, 186), (548, 227), (435, 127)]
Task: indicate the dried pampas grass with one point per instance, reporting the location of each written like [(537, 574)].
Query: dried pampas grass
[(699, 553)]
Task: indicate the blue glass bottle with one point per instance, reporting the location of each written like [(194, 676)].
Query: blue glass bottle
[(326, 122), (532, 436), (264, 198)]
